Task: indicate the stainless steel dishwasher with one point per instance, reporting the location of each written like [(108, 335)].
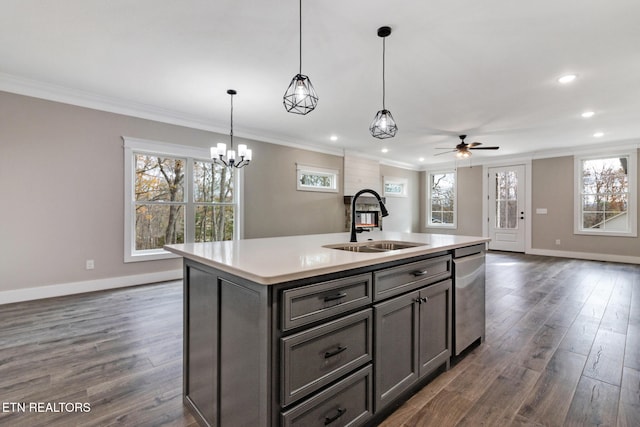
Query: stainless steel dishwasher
[(468, 297)]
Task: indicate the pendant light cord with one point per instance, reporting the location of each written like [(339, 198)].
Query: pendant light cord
[(300, 33), (231, 122), (383, 82)]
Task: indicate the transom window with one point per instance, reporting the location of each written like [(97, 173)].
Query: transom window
[(312, 178), (174, 194), (441, 204), (606, 195)]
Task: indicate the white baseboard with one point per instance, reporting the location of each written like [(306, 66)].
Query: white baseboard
[(586, 255), (41, 292)]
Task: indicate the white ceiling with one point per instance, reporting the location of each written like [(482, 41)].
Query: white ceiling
[(484, 68)]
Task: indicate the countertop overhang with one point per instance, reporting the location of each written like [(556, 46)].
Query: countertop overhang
[(281, 259)]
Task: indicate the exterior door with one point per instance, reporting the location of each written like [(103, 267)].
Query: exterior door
[(507, 208)]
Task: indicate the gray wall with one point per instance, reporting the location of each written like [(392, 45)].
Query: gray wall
[(552, 188), (273, 206), (61, 171), (552, 182), (62, 177)]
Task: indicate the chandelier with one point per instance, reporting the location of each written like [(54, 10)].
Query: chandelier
[(218, 152)]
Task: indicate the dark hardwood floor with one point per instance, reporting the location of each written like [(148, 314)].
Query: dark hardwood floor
[(562, 348)]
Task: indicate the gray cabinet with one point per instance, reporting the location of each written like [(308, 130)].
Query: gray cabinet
[(333, 351), (412, 339)]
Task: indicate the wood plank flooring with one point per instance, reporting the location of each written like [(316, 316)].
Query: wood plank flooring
[(562, 349)]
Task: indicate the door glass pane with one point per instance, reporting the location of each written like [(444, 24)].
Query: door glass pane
[(506, 200)]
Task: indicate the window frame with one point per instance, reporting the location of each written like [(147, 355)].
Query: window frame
[(133, 146), (428, 222), (302, 169), (403, 182), (632, 193)]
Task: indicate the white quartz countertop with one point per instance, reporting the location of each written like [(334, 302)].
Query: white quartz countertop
[(280, 259)]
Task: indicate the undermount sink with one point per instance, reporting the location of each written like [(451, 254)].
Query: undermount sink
[(375, 246)]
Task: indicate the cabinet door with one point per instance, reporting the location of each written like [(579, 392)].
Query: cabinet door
[(435, 326), (396, 346)]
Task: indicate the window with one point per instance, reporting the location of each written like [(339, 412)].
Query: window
[(175, 194), (395, 187), (605, 202), (441, 199), (311, 178)]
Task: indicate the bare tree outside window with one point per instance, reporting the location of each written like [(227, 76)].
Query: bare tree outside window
[(159, 197), (442, 198), (605, 194), (214, 201)]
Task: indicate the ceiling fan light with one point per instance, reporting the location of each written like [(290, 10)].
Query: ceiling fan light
[(383, 125), (300, 97)]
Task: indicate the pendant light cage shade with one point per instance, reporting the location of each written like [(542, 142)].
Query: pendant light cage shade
[(300, 97), (383, 125)]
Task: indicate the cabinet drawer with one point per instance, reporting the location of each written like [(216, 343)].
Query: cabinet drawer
[(313, 358), (307, 304), (347, 403), (396, 280)]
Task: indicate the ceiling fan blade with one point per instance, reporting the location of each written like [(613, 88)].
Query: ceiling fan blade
[(483, 148), (446, 152), (474, 144)]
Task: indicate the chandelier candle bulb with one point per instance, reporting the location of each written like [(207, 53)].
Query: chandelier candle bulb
[(221, 149), (231, 154), (247, 155), (242, 150)]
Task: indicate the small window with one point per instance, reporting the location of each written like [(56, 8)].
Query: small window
[(441, 199), (311, 178), (395, 187), (606, 195)]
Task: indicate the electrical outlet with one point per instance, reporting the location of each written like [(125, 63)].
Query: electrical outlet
[(557, 241), (89, 264)]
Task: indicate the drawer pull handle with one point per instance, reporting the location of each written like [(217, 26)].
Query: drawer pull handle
[(335, 297), (329, 420), (420, 273), (421, 300), (335, 352)]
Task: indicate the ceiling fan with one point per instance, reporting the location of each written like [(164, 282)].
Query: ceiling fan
[(462, 149)]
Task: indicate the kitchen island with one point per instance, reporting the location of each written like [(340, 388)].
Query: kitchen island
[(313, 330)]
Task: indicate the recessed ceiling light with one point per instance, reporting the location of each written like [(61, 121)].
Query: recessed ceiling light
[(421, 159), (598, 134), (385, 150), (333, 138), (587, 114), (568, 78)]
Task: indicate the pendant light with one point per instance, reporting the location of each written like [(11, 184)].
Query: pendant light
[(383, 126), (300, 97), (218, 153)]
